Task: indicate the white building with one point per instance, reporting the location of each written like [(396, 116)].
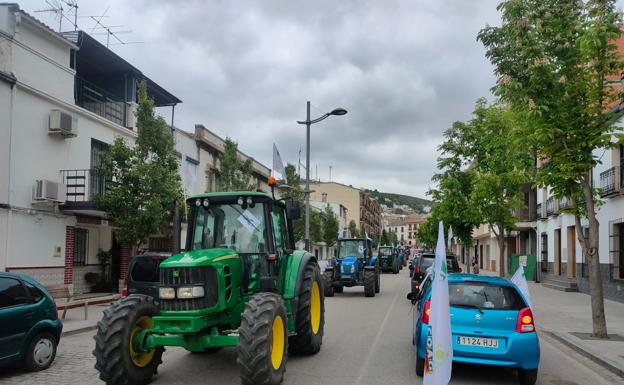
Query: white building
[(63, 99), (562, 262)]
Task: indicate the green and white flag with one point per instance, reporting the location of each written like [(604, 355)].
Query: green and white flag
[(439, 355)]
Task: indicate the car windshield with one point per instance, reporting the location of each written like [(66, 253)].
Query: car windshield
[(451, 264), (229, 226), (351, 248), (485, 296), (385, 251), (145, 269), (426, 261)]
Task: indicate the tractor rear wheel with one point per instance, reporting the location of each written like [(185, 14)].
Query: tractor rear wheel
[(116, 358), (328, 283), (262, 344), (377, 280), (369, 282), (310, 316)]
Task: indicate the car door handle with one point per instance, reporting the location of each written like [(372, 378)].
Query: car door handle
[(29, 314)]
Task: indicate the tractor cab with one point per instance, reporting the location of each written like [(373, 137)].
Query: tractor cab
[(353, 264), (389, 259)]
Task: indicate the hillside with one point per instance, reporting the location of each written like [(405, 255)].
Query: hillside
[(391, 199)]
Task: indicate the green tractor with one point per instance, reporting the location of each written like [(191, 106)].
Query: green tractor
[(389, 259), (240, 283)]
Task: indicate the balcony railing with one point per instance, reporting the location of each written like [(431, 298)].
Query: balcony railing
[(82, 186), (540, 211), (99, 101), (550, 206), (607, 182)]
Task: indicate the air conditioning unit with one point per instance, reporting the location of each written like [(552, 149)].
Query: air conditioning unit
[(46, 191), (63, 124)]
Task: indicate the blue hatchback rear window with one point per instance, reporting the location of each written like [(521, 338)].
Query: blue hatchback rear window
[(485, 296)]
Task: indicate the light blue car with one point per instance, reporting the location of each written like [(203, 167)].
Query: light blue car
[(490, 322)]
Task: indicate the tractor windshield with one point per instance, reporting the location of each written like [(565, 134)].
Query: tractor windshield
[(229, 226), (351, 248), (385, 251)]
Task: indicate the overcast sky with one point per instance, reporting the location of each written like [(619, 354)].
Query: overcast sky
[(405, 70)]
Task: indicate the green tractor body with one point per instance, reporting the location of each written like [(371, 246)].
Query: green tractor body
[(240, 283)]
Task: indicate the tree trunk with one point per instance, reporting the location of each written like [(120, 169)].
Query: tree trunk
[(590, 251), (500, 237)]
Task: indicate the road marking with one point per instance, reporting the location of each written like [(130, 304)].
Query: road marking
[(371, 351)]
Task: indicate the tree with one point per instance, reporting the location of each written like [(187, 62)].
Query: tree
[(292, 189), (353, 230), (428, 232), (330, 226), (142, 181), (235, 173), (384, 240), (553, 60), (316, 226)]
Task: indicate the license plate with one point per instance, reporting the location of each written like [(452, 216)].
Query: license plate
[(478, 341)]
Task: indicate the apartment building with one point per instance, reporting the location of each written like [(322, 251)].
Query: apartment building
[(65, 98), (406, 228), (361, 208)]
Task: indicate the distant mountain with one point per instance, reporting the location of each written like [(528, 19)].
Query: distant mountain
[(419, 205)]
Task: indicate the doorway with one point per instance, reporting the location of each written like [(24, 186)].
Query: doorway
[(115, 263), (571, 252), (544, 251), (558, 251)]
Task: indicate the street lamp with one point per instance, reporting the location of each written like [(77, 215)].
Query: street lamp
[(308, 123)]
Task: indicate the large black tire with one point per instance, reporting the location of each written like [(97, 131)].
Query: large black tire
[(395, 267), (328, 283), (41, 352), (310, 315), (114, 358), (377, 280), (262, 343), (338, 288), (369, 282), (527, 377), (420, 366)]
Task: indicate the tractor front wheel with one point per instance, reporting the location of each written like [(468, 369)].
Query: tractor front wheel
[(377, 280), (117, 359), (369, 282), (263, 342), (310, 316)]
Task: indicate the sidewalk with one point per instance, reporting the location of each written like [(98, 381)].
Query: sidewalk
[(75, 322), (566, 317)]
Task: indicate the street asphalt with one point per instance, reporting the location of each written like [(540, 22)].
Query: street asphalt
[(367, 341)]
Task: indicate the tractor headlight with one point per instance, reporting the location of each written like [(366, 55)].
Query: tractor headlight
[(190, 292), (166, 293)]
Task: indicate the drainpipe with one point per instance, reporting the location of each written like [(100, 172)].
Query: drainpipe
[(175, 236)]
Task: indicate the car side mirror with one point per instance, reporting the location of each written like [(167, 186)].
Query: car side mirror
[(411, 296), (292, 210)]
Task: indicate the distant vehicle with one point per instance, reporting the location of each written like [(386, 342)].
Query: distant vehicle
[(144, 274), (353, 265), (420, 264), (491, 324), (389, 259), (30, 329)]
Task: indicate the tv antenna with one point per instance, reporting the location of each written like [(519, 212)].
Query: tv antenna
[(56, 7), (108, 31)]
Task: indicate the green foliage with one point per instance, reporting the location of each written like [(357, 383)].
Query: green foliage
[(293, 189), (142, 181), (330, 226), (235, 173), (428, 231), (353, 230)]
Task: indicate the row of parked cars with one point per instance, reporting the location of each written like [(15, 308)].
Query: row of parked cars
[(491, 322)]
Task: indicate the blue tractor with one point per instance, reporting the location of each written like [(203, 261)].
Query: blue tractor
[(353, 265)]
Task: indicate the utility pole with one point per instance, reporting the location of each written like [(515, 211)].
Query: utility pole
[(307, 189)]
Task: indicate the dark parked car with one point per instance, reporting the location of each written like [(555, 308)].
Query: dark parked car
[(144, 274), (420, 264), (29, 326)]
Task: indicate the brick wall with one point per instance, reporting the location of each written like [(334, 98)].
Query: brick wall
[(69, 255)]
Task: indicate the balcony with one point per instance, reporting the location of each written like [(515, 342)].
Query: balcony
[(550, 207), (526, 215), (82, 186), (564, 203), (607, 182), (540, 211), (99, 101)]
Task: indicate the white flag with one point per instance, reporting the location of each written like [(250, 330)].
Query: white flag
[(439, 355), (278, 165), (450, 237), (520, 280)]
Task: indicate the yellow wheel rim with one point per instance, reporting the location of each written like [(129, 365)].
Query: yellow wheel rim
[(141, 359), (277, 342), (315, 307)]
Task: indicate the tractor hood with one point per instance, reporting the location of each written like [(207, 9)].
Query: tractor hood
[(197, 258), (349, 265)]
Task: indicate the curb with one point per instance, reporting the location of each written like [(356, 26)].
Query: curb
[(586, 353), (78, 331)]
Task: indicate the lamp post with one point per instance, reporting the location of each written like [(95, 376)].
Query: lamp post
[(308, 123)]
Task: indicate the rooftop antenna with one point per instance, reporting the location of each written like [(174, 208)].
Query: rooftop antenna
[(57, 9), (109, 32), (73, 4), (330, 167)]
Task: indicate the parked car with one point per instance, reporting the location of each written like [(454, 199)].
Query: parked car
[(30, 329), (422, 262), (491, 324), (144, 274)]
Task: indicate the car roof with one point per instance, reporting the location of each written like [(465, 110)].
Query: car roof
[(463, 277), (431, 255), (152, 254)]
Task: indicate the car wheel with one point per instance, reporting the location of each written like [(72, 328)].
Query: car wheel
[(41, 352), (420, 366), (527, 377)]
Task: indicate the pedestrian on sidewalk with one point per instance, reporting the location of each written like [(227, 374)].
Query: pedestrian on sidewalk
[(475, 265)]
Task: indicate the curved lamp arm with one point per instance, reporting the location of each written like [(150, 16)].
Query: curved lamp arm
[(315, 120)]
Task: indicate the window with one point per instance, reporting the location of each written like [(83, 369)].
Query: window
[(544, 251), (35, 294), (485, 296), (145, 269), (281, 233), (81, 240), (12, 293)]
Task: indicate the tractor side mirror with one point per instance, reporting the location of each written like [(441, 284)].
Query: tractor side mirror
[(292, 210)]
